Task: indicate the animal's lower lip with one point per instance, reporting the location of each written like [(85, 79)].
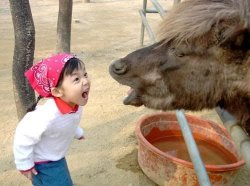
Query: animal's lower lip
[(132, 99)]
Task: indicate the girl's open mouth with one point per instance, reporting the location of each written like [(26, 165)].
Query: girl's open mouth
[(85, 94)]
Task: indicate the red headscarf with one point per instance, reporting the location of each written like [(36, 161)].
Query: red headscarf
[(45, 74)]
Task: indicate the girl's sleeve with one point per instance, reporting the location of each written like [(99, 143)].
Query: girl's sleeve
[(28, 133), (79, 132)]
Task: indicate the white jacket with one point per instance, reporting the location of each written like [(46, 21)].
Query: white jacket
[(45, 135)]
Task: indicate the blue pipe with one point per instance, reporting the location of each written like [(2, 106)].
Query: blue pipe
[(193, 150)]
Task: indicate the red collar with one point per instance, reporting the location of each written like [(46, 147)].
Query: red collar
[(64, 107)]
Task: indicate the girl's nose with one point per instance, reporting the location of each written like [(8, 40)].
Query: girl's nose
[(85, 81)]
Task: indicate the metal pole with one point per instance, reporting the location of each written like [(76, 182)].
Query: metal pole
[(239, 136), (149, 31), (144, 7), (159, 8), (193, 150)]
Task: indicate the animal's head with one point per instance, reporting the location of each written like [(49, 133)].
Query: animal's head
[(201, 60)]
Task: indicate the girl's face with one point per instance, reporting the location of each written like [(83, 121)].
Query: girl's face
[(75, 88)]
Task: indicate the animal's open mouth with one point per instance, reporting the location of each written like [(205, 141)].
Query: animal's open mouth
[(133, 98)]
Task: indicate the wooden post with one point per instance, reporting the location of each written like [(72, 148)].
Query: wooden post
[(23, 54)]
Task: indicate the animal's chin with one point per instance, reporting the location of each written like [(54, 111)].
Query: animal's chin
[(136, 98), (133, 98)]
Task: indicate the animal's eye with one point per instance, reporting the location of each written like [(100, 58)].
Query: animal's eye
[(177, 52), (169, 65), (172, 50)]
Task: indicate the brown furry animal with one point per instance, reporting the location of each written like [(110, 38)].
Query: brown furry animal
[(202, 60)]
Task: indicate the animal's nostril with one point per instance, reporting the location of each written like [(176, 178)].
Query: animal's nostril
[(119, 67)]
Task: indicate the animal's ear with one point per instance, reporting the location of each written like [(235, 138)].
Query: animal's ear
[(235, 38)]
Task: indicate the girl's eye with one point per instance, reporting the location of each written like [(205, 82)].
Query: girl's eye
[(76, 79), (86, 75)]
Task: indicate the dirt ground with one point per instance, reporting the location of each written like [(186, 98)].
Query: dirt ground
[(102, 31)]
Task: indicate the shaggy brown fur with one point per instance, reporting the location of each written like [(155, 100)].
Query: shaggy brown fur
[(202, 60), (191, 19)]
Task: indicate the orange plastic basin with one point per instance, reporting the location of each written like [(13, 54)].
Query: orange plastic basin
[(165, 168)]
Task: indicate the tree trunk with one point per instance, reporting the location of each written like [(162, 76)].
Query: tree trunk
[(23, 54), (64, 26)]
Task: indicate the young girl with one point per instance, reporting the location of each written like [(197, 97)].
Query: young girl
[(43, 136)]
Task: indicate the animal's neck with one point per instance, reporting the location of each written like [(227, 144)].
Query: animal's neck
[(238, 105)]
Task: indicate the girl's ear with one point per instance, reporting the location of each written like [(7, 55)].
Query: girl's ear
[(56, 92)]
